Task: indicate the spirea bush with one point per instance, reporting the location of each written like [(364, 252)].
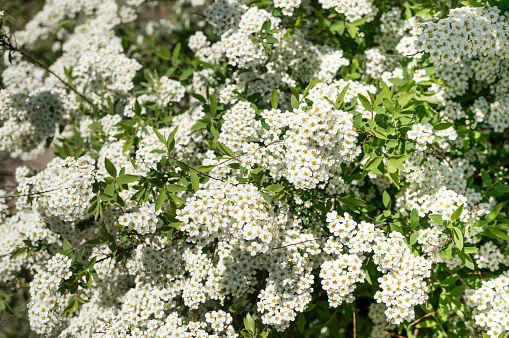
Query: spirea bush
[(287, 168)]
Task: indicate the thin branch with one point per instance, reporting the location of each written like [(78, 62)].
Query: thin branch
[(30, 194), (423, 317), (354, 322), (5, 43)]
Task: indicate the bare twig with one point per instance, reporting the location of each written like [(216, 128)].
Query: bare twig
[(10, 46)]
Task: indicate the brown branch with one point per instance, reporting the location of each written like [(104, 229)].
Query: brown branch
[(354, 322), (392, 334), (5, 43), (437, 247), (402, 56), (425, 316), (14, 315), (30, 194)]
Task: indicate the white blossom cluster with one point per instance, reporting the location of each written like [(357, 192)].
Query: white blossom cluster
[(466, 31), (422, 134), (403, 285), (490, 305), (229, 211), (63, 189), (353, 9), (47, 304)]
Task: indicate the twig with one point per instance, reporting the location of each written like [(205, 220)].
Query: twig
[(393, 334), (437, 247), (354, 322), (402, 56), (14, 315), (7, 44), (31, 194), (425, 316)]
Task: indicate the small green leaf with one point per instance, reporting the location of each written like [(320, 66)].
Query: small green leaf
[(175, 188), (499, 233), (275, 188), (386, 200), (405, 98), (125, 179), (249, 323), (457, 236), (472, 3), (186, 73), (413, 237), (110, 168), (365, 103), (67, 246), (274, 98), (442, 126), (457, 213), (213, 104), (195, 181), (437, 219), (295, 102), (494, 213), (160, 200), (301, 322), (414, 218), (271, 40)]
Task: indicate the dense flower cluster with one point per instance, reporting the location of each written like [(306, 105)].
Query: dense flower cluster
[(289, 159)]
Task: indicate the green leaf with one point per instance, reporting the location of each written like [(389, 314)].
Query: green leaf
[(301, 322), (295, 102), (499, 233), (442, 126), (472, 3), (405, 98), (353, 203), (175, 188), (365, 102), (195, 181), (160, 200), (125, 179), (437, 219), (226, 150), (275, 188), (204, 168), (186, 73), (352, 30), (271, 40), (249, 323), (395, 179), (67, 246), (457, 236), (338, 26), (159, 136), (199, 125), (199, 97), (176, 54), (273, 100), (373, 162), (494, 213), (457, 213), (413, 237), (386, 200), (486, 179), (414, 218), (502, 188), (110, 168), (213, 104)]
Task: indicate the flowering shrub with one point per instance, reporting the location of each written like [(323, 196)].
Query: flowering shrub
[(289, 168)]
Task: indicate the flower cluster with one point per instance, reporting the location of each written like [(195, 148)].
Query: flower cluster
[(46, 304), (422, 134)]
